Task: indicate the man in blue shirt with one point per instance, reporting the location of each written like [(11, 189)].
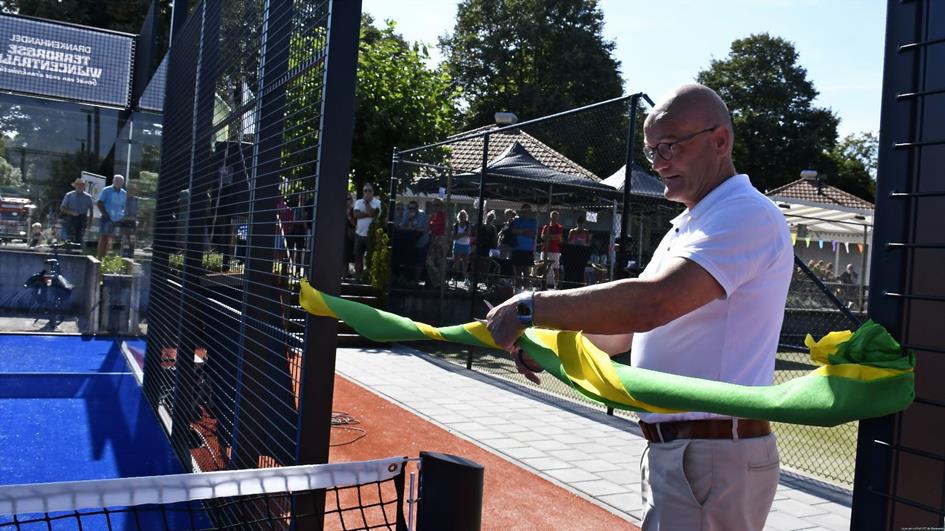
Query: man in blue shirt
[(111, 204), (524, 227)]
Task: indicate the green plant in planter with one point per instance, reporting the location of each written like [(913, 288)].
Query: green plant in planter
[(176, 261), (379, 270), (212, 261), (114, 265)]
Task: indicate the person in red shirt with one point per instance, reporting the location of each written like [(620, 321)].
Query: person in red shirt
[(551, 236), (436, 256)]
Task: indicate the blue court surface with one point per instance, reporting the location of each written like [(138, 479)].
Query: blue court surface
[(70, 409)]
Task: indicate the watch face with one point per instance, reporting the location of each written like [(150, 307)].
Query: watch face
[(523, 309)]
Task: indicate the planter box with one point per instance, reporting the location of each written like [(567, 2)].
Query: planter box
[(117, 312)]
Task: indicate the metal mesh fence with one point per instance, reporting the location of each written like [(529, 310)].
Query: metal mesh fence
[(589, 143), (244, 134), (572, 164)]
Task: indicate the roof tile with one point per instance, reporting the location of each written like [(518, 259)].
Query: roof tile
[(466, 155), (806, 189)]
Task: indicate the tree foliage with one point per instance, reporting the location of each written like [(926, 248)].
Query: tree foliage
[(778, 130), (855, 160), (118, 15), (531, 57), (400, 101), (9, 174)]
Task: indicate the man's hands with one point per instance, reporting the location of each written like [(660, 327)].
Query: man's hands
[(526, 366), (505, 327), (502, 322)]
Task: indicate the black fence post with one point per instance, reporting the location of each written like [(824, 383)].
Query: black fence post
[(623, 255), (450, 493), (474, 261), (392, 202), (391, 224), (334, 162)]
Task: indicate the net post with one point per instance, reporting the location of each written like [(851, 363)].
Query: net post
[(450, 493)]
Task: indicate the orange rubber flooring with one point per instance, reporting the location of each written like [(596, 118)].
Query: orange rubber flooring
[(514, 498)]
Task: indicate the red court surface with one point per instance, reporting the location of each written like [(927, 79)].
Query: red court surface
[(514, 497)]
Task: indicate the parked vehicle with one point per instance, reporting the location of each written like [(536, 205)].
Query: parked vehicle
[(15, 213)]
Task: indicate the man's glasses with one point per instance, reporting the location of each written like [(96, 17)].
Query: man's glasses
[(665, 149)]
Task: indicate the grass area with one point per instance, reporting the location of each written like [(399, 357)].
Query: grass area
[(826, 454)]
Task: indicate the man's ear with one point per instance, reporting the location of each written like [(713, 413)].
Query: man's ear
[(723, 141)]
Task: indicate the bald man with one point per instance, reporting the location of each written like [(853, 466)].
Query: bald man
[(708, 305)]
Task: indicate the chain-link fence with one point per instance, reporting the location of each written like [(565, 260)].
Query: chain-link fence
[(532, 205), (440, 276)]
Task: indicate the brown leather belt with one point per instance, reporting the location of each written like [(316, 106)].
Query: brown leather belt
[(703, 429)]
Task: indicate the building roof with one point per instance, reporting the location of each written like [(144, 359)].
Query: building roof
[(809, 190), (466, 155), (516, 175), (516, 165)]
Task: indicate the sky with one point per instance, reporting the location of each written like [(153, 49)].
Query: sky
[(663, 44)]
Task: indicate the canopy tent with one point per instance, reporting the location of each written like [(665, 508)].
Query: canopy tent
[(516, 175), (641, 183), (822, 212), (820, 222)]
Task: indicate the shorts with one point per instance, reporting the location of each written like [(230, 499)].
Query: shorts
[(106, 227), (461, 249), (554, 258)]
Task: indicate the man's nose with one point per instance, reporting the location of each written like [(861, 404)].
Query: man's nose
[(661, 164)]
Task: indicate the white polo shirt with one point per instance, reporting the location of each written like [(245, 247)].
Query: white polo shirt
[(740, 238), (363, 224)]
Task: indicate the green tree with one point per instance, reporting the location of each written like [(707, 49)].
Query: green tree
[(9, 176), (531, 57), (778, 130), (855, 160), (118, 15), (540, 57), (400, 101)]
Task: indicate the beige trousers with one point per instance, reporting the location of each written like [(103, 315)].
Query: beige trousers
[(709, 484)]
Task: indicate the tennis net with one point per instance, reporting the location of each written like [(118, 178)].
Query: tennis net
[(359, 495)]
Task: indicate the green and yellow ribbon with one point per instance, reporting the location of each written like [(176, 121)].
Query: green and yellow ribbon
[(863, 374)]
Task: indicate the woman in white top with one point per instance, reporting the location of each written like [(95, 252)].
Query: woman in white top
[(462, 243)]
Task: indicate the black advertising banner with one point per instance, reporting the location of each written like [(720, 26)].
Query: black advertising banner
[(60, 61)]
